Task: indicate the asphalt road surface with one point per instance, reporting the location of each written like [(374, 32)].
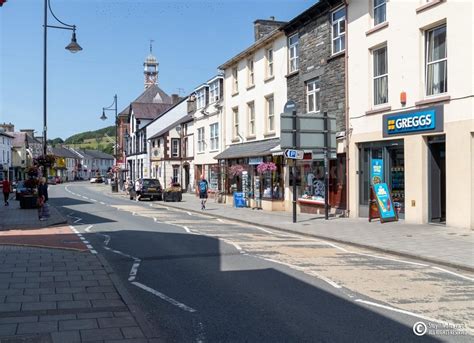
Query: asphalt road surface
[(202, 279)]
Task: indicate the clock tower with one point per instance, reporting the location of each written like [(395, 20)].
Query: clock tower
[(150, 69)]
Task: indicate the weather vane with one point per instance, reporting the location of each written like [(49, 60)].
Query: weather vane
[(151, 45)]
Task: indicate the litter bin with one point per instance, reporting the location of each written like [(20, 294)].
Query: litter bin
[(114, 186)]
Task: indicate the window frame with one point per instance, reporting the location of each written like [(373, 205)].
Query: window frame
[(375, 78), (214, 87), (214, 136), (201, 98), (376, 7), (235, 123), (439, 61), (250, 72), (293, 47), (269, 117), (316, 93), (235, 80), (251, 118), (177, 152), (270, 62), (340, 36), (201, 139)]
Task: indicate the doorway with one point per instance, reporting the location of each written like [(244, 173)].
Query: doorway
[(437, 179)]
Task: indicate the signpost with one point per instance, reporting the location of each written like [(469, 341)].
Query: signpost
[(294, 154), (290, 109)]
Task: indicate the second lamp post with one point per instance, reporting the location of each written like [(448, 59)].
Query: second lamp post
[(113, 107)]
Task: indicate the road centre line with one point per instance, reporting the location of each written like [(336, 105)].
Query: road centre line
[(93, 200), (88, 229), (453, 273), (164, 297)]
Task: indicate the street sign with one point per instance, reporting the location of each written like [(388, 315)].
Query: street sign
[(294, 154), (290, 106)]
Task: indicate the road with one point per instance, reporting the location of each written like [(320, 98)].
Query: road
[(202, 279)]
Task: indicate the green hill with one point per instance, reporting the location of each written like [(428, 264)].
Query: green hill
[(102, 139)]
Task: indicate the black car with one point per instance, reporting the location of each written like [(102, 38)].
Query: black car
[(151, 189)]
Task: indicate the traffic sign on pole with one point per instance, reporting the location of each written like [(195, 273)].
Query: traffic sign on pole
[(294, 154)]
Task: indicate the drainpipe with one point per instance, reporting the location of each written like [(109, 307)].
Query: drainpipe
[(346, 85)]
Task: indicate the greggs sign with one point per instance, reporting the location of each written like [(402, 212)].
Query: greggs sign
[(412, 122)]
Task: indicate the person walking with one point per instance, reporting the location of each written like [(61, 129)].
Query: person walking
[(138, 189), (43, 212), (6, 191), (203, 188)]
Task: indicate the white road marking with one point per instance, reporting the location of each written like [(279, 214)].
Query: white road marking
[(238, 247), (220, 220), (452, 273), (93, 251), (189, 213), (93, 200), (121, 253), (103, 203), (88, 229), (82, 238), (85, 197), (187, 229), (89, 246), (77, 220), (389, 259), (164, 297), (85, 242), (134, 270)]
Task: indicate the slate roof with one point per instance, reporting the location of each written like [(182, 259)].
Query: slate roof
[(184, 119), (155, 100), (149, 110), (153, 94), (249, 149), (19, 139), (63, 152)]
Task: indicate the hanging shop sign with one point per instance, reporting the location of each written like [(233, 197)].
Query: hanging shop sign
[(255, 160), (384, 202), (413, 122)]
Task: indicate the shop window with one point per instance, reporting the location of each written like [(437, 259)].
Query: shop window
[(436, 61)]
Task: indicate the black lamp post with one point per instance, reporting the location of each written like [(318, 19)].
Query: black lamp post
[(72, 47), (113, 107)]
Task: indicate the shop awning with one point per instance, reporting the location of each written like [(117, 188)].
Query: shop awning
[(251, 149)]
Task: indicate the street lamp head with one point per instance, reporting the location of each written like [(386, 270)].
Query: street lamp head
[(178, 128), (73, 46), (103, 117)]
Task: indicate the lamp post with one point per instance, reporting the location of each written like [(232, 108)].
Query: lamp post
[(126, 137), (179, 130), (113, 107), (72, 47)]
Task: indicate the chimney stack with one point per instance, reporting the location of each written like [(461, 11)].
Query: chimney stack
[(175, 99), (263, 27), (8, 127)]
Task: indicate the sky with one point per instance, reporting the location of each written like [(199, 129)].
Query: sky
[(191, 39)]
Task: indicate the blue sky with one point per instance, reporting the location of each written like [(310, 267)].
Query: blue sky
[(191, 39)]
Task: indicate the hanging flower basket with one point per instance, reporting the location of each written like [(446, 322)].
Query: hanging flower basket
[(236, 170), (32, 171), (31, 184), (266, 167), (47, 160)]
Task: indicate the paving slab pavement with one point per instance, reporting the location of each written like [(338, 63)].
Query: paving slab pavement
[(447, 246)]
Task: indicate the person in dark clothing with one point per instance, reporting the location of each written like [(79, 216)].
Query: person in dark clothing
[(6, 191), (203, 188), (43, 212)]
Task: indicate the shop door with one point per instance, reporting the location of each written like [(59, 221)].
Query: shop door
[(366, 155), (437, 179)]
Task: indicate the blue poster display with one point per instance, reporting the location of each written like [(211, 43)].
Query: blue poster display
[(376, 171), (384, 202), (239, 199)]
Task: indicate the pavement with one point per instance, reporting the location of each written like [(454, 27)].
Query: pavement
[(54, 289), (448, 246)]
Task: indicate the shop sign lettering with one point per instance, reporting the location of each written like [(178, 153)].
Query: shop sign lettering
[(430, 119)]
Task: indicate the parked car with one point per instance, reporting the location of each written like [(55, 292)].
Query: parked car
[(151, 189), (57, 179), (51, 180), (20, 190)]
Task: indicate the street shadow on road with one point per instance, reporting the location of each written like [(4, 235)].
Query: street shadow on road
[(239, 297), (68, 201)]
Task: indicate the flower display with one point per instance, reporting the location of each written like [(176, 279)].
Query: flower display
[(236, 169), (31, 183), (32, 171), (266, 167), (45, 160)]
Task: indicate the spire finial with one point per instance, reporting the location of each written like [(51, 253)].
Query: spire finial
[(151, 45)]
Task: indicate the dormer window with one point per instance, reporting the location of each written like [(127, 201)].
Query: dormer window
[(201, 98), (214, 91)]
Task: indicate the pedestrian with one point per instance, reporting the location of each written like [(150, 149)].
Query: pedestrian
[(138, 189), (43, 211), (6, 191), (203, 187)]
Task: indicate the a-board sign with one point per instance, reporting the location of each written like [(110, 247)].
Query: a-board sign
[(384, 202), (376, 176), (239, 199)]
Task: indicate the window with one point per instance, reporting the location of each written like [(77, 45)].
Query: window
[(313, 98), (270, 113), (251, 78), (174, 147), (436, 61), (235, 80), (235, 122), (201, 98), (379, 11), (201, 140), (214, 136), (175, 174), (214, 92), (269, 54), (380, 76), (293, 42), (338, 30), (251, 118)]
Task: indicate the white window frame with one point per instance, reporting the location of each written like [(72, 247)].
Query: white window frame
[(235, 80), (270, 63), (235, 123), (174, 148), (175, 174), (201, 98), (250, 72), (201, 139), (293, 48), (440, 61), (214, 91), (214, 136), (313, 95), (270, 113), (382, 6), (341, 30), (251, 119), (378, 79)]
